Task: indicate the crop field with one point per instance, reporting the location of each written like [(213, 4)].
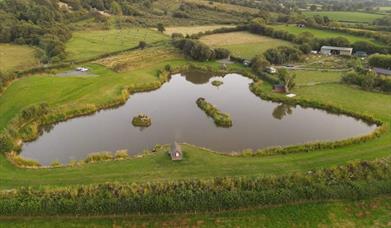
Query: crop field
[(88, 44), (243, 44), (343, 16), (225, 6), (363, 213), (17, 57), (322, 33), (190, 30)]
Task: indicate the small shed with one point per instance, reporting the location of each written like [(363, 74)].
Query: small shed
[(279, 88), (330, 50), (361, 54), (176, 152)]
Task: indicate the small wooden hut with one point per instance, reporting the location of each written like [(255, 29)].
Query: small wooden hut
[(176, 152)]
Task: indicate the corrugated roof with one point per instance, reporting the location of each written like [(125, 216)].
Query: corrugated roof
[(337, 48), (382, 71)]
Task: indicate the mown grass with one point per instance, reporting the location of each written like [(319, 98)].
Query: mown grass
[(17, 57), (346, 16), (363, 213), (307, 77), (324, 34), (88, 44), (243, 44)]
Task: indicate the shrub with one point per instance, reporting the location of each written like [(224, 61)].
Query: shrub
[(100, 156), (378, 60), (283, 55), (56, 164), (222, 53), (19, 161), (259, 63), (121, 154), (195, 49), (142, 44)]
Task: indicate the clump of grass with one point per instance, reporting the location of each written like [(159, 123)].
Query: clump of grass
[(217, 83), (56, 164), (99, 156), (141, 120), (221, 119), (20, 161), (121, 155)]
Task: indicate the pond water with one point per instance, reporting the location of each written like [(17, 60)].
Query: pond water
[(176, 117)]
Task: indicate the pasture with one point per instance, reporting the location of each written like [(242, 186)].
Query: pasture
[(324, 34), (17, 57), (243, 44), (346, 16), (225, 6), (190, 30), (88, 44)]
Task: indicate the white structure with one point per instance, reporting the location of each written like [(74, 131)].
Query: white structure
[(271, 70), (330, 50), (82, 69)]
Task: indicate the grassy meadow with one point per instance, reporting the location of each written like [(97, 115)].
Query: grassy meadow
[(225, 6), (322, 33), (88, 44), (243, 44), (17, 57), (307, 77), (363, 213), (190, 30), (346, 16)]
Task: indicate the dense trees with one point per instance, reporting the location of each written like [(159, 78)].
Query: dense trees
[(367, 80), (283, 54), (378, 60), (195, 49), (287, 79)]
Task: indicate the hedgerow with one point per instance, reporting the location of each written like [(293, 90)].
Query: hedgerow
[(356, 180)]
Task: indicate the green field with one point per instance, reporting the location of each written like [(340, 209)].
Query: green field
[(305, 77), (364, 213), (88, 44), (293, 29), (17, 57), (243, 44), (346, 16)]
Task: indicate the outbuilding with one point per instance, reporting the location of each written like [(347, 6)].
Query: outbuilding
[(382, 71), (330, 50), (271, 70), (176, 152)]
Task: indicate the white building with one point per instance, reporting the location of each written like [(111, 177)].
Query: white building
[(330, 50)]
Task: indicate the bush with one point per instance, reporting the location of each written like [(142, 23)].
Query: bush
[(19, 161), (195, 49), (259, 63), (121, 155), (222, 53), (378, 60), (97, 157), (283, 54)]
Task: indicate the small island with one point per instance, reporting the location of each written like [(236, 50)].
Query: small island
[(217, 83), (141, 120), (221, 119)]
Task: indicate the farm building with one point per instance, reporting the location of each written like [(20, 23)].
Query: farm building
[(361, 54), (330, 50), (279, 88), (176, 152), (382, 71)]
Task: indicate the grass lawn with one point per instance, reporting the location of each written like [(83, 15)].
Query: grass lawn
[(190, 30), (88, 44), (304, 77), (343, 16), (364, 213), (243, 44), (17, 57), (322, 33)]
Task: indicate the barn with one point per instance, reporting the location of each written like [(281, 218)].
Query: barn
[(330, 50)]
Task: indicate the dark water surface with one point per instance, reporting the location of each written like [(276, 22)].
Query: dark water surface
[(176, 117)]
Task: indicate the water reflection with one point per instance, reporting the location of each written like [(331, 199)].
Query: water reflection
[(282, 110)]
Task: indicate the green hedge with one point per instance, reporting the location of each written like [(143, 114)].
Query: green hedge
[(355, 180)]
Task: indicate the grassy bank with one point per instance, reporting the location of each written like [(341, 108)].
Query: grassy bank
[(363, 213)]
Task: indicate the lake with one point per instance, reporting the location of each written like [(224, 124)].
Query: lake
[(176, 117)]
